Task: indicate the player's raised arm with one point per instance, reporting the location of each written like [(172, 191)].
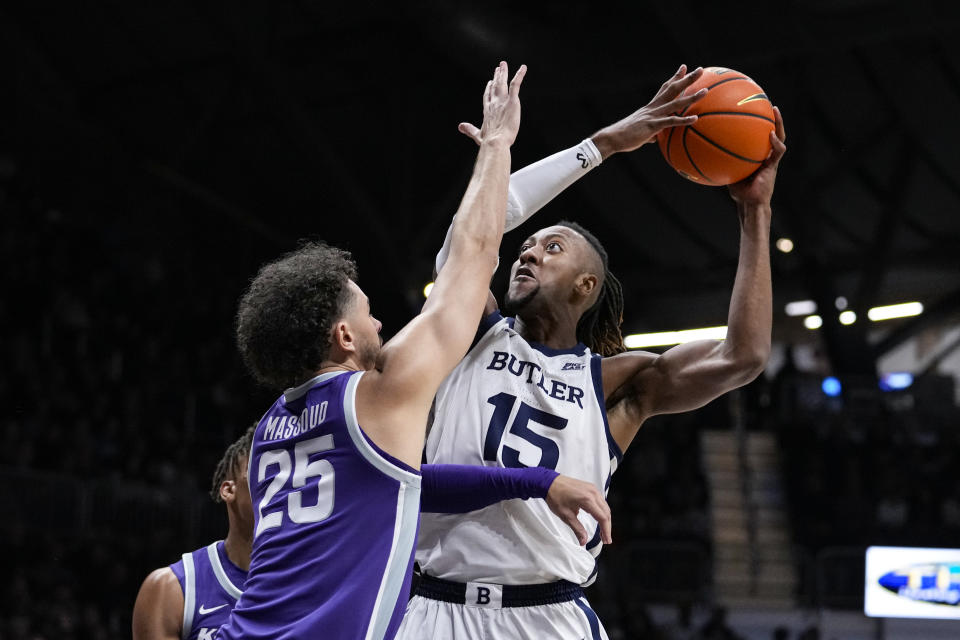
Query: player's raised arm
[(533, 186), (393, 401), (158, 611), (688, 376)]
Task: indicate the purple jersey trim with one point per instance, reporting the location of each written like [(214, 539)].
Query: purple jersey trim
[(177, 568), (210, 584), (235, 574), (389, 458)]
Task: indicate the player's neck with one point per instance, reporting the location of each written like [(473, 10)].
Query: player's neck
[(551, 330), (329, 366), (238, 547)]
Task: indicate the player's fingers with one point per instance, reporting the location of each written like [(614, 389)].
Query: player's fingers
[(518, 80), (606, 529), (574, 523), (677, 86), (487, 92), (777, 149), (781, 131), (606, 523), (500, 79), (597, 507), (674, 121), (470, 131), (682, 102), (682, 69)]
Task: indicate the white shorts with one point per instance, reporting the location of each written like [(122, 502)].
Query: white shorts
[(437, 620)]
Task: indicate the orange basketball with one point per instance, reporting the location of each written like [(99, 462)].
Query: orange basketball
[(731, 136)]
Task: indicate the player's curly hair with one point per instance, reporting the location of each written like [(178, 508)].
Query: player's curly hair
[(599, 326), (285, 315), (230, 463)]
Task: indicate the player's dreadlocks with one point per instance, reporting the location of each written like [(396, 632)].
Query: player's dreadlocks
[(285, 316), (229, 464), (599, 327)]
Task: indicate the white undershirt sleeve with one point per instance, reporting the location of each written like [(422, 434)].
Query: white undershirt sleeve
[(537, 184)]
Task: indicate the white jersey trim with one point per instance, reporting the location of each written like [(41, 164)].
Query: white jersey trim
[(189, 594), (221, 575), (297, 392), (404, 537), (361, 443)]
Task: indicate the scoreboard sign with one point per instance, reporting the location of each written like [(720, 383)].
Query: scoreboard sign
[(907, 582)]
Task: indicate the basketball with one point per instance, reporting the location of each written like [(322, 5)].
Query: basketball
[(731, 136)]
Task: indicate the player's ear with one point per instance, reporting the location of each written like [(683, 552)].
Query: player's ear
[(587, 284), (342, 337), (228, 491)]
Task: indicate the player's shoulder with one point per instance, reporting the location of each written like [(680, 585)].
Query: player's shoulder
[(161, 578), (490, 320), (619, 369), (628, 359), (158, 609), (161, 585)]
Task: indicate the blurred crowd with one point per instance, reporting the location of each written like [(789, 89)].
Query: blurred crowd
[(868, 466), (889, 480), (109, 372)]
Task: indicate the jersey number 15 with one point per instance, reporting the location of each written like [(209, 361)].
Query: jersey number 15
[(502, 406)]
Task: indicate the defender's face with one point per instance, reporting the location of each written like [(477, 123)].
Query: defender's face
[(547, 267), (365, 326)]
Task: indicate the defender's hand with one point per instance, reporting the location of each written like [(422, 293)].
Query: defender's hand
[(501, 108), (758, 188), (567, 496), (644, 124)]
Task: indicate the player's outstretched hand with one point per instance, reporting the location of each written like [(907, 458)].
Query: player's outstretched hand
[(758, 188), (568, 496), (501, 108), (642, 126)]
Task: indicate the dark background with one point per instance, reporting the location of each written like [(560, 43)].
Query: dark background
[(152, 156)]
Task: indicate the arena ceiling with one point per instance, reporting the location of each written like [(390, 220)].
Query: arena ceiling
[(208, 137)]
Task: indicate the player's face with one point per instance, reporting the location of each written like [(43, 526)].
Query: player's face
[(365, 326), (546, 269)]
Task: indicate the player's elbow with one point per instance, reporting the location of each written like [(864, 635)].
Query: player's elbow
[(748, 364)]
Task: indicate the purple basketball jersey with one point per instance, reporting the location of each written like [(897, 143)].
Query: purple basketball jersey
[(335, 523), (211, 585)]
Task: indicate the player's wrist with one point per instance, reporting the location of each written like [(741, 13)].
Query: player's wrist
[(754, 215), (497, 142), (605, 143)]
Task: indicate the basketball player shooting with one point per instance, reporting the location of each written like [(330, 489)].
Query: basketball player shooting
[(552, 387), (336, 505)]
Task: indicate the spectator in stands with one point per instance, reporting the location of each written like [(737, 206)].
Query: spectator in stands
[(716, 627)]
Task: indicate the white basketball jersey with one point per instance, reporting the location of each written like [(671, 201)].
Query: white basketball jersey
[(513, 403)]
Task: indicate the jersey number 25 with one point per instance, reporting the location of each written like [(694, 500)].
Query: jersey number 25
[(303, 470)]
